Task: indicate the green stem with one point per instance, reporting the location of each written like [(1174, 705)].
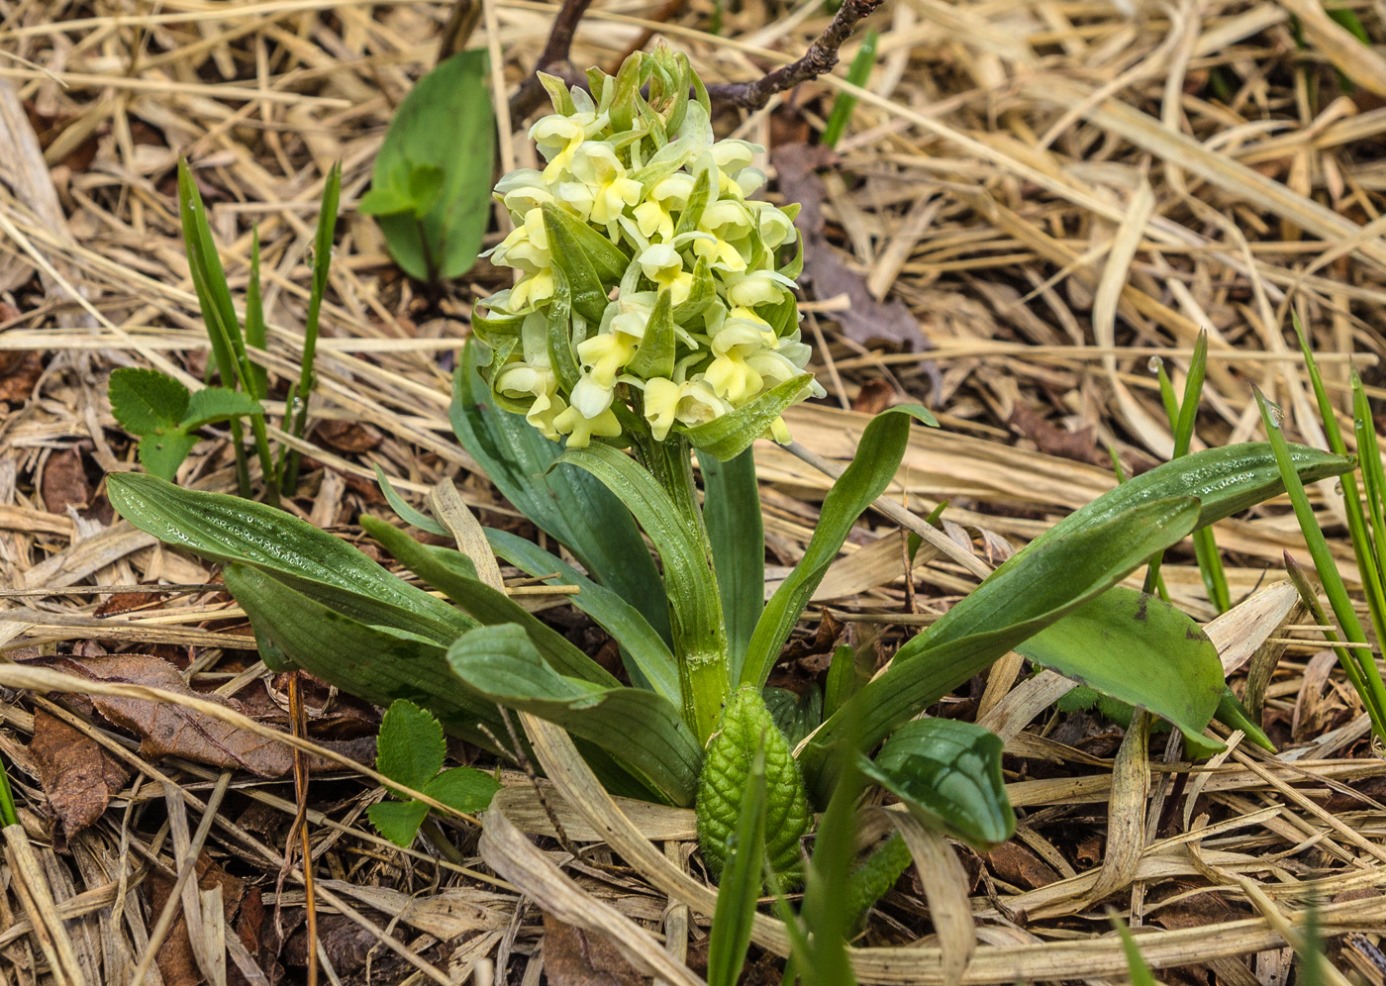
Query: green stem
[(8, 815), (700, 639), (262, 447), (242, 467)]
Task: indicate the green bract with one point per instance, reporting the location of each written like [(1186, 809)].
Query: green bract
[(650, 290)]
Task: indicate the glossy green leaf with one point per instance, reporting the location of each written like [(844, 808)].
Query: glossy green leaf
[(742, 879), (398, 821), (445, 125), (410, 746), (162, 454), (647, 657), (564, 502), (873, 467), (464, 788), (229, 529), (145, 401), (733, 433), (483, 603), (376, 663), (1138, 649), (731, 511), (796, 715), (570, 246), (655, 355), (948, 772), (639, 729), (406, 511), (212, 404), (1030, 591)]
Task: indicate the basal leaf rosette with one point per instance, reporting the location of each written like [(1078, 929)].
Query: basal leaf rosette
[(650, 293)]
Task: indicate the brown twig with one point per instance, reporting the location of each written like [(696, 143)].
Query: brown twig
[(554, 56), (818, 60)]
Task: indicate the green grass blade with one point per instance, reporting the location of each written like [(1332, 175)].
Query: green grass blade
[(857, 75), (255, 319), (826, 906), (1372, 690), (731, 511), (1138, 972), (732, 921), (297, 412)]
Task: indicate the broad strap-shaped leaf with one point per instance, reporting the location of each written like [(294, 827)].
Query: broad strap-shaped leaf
[(228, 529), (1138, 649), (449, 108), (947, 772), (746, 731), (1022, 597), (735, 528), (733, 433), (375, 663), (647, 657), (146, 401), (873, 467), (639, 729), (483, 603), (564, 502)]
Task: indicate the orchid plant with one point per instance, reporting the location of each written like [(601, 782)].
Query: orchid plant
[(653, 317)]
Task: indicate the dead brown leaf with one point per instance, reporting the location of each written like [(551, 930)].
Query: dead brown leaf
[(76, 774), (351, 437), (874, 397), (865, 320), (573, 957), (1053, 439), (127, 602), (65, 482), (241, 905), (1019, 866)]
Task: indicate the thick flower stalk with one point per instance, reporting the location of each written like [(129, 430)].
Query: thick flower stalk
[(649, 299)]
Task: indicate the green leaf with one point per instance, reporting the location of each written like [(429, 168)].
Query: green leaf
[(647, 657), (209, 281), (406, 511), (569, 245), (745, 731), (255, 318), (655, 355), (385, 200), (398, 821), (464, 788), (742, 879), (873, 467), (483, 603), (640, 730), (229, 529), (410, 747), (1140, 650), (796, 715), (564, 502), (731, 511), (444, 126), (871, 880), (145, 401), (162, 454), (376, 663), (948, 773), (1137, 971), (1030, 591), (212, 404), (826, 907), (728, 436)]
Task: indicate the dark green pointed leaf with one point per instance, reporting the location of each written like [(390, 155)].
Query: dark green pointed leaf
[(949, 773), (731, 511), (398, 821), (145, 401), (873, 467), (655, 356), (209, 281), (587, 290), (406, 511), (733, 433), (1138, 649), (639, 729), (647, 657), (564, 502)]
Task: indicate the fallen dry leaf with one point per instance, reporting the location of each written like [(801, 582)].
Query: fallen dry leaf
[(166, 729), (874, 397), (76, 774), (128, 602), (1019, 866), (865, 320), (351, 437), (241, 905), (574, 957), (65, 482), (1052, 439)]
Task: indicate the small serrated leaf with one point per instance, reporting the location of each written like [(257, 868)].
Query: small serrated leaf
[(213, 404), (161, 455), (410, 747), (398, 821), (143, 401), (464, 788)]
